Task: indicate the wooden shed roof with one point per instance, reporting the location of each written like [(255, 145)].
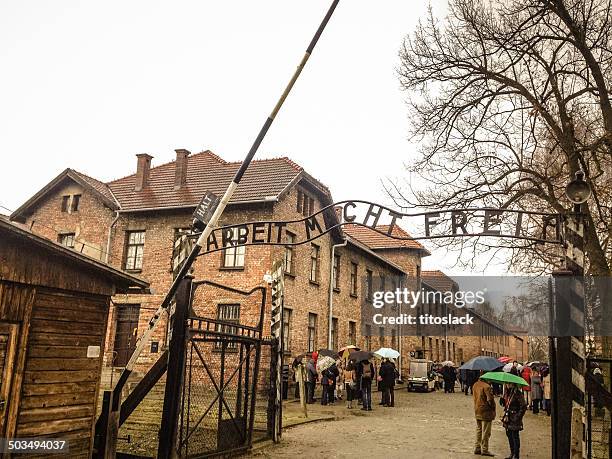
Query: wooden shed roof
[(122, 281)]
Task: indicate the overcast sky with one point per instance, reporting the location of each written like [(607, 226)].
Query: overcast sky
[(89, 84)]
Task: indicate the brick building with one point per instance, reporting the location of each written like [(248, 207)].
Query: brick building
[(490, 338), (133, 222)]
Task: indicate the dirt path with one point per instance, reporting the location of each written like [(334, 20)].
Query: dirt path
[(434, 425)]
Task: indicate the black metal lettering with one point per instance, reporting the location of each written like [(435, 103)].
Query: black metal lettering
[(347, 217), (519, 224), (370, 213), (226, 237), (546, 223), (280, 226), (492, 218), (429, 223), (310, 224), (394, 217), (243, 234), (212, 240), (458, 220), (258, 228)]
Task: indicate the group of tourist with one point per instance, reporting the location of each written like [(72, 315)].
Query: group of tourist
[(351, 380)]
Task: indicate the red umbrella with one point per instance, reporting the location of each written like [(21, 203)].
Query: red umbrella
[(505, 359)]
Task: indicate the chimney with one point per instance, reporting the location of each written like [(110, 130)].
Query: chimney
[(142, 171), (180, 168)]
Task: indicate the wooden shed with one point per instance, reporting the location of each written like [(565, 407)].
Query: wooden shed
[(54, 305)]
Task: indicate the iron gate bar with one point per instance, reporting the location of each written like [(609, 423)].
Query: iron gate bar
[(185, 385), (221, 397), (246, 384), (194, 346)]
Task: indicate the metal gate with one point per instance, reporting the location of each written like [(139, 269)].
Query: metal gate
[(598, 409), (224, 399)]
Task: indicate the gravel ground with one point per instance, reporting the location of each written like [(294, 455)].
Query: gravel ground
[(434, 425)]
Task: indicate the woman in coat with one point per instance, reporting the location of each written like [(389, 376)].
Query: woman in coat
[(536, 392), (349, 384), (546, 386), (514, 409)]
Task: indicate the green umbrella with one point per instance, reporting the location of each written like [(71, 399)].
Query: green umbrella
[(504, 378)]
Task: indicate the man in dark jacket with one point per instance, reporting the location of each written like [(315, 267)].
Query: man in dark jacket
[(365, 373), (311, 372), (484, 411), (387, 373)]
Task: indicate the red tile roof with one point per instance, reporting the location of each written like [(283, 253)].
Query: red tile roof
[(97, 185), (264, 179), (438, 280), (375, 240)]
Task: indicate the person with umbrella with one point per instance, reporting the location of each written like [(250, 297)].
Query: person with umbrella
[(484, 411), (514, 369), (365, 373), (313, 376), (350, 384), (514, 409), (536, 391), (387, 374), (328, 381), (449, 374)]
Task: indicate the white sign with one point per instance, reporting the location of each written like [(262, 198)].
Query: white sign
[(93, 352)]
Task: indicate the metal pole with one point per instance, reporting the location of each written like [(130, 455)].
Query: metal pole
[(174, 378), (212, 224)]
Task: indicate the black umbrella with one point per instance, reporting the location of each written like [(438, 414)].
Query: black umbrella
[(359, 356), (328, 353), (482, 363)]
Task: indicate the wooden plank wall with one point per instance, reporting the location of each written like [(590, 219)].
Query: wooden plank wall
[(22, 262), (60, 383)]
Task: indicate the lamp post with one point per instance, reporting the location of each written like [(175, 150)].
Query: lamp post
[(567, 334)]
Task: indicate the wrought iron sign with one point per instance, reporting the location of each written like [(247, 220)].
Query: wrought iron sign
[(540, 227)]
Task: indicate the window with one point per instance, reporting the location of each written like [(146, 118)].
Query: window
[(74, 206), (381, 336), (431, 356), (314, 263), (287, 329), (181, 248), (312, 332), (305, 204), (352, 335), (300, 197), (134, 250), (393, 339), (336, 272), (66, 239), (368, 337), (368, 285), (233, 257), (382, 282), (289, 252), (353, 279), (65, 201), (334, 333), (227, 313)]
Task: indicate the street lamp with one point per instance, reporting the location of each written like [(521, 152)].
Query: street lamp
[(578, 191)]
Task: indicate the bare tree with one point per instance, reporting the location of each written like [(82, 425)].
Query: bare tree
[(508, 100)]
